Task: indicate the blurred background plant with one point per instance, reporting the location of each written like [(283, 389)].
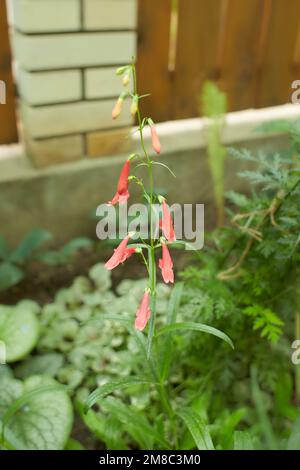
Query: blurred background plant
[(213, 107), (13, 262)]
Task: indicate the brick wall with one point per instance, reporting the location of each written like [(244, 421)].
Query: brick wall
[(67, 52)]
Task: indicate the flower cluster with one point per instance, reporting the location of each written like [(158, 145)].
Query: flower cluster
[(125, 250)]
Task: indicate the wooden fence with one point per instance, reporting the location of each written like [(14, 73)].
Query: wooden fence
[(8, 125), (251, 48)]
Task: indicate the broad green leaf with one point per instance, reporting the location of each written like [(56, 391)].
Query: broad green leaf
[(26, 398), (242, 441), (10, 275), (48, 364), (9, 440), (31, 242), (19, 330), (197, 427), (194, 327), (101, 276), (173, 306), (41, 417), (106, 389), (10, 390)]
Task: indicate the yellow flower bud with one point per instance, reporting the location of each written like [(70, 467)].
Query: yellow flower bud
[(126, 79), (117, 108), (134, 106)]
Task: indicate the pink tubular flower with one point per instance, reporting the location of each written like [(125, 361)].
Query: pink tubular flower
[(167, 223), (128, 252), (122, 193), (166, 265), (143, 313), (155, 140), (117, 108), (121, 254)]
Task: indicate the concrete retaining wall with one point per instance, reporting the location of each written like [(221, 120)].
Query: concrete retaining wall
[(61, 198)]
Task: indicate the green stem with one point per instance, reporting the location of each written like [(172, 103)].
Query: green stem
[(151, 255), (151, 267)]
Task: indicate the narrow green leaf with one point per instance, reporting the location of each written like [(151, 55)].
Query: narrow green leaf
[(165, 166), (264, 420), (185, 245), (242, 441), (106, 389), (197, 427), (195, 327)]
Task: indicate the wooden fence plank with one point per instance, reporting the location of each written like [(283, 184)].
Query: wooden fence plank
[(8, 126), (238, 61), (278, 68), (153, 55), (251, 48), (196, 54)]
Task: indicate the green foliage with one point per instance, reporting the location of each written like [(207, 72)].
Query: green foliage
[(34, 415), (247, 284), (64, 255), (13, 262), (214, 107), (265, 320), (198, 428), (19, 330)]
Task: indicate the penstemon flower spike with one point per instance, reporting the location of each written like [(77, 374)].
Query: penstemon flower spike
[(147, 310)]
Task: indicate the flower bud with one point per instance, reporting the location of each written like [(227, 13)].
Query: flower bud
[(122, 70), (154, 137), (126, 79), (134, 106), (117, 108)]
